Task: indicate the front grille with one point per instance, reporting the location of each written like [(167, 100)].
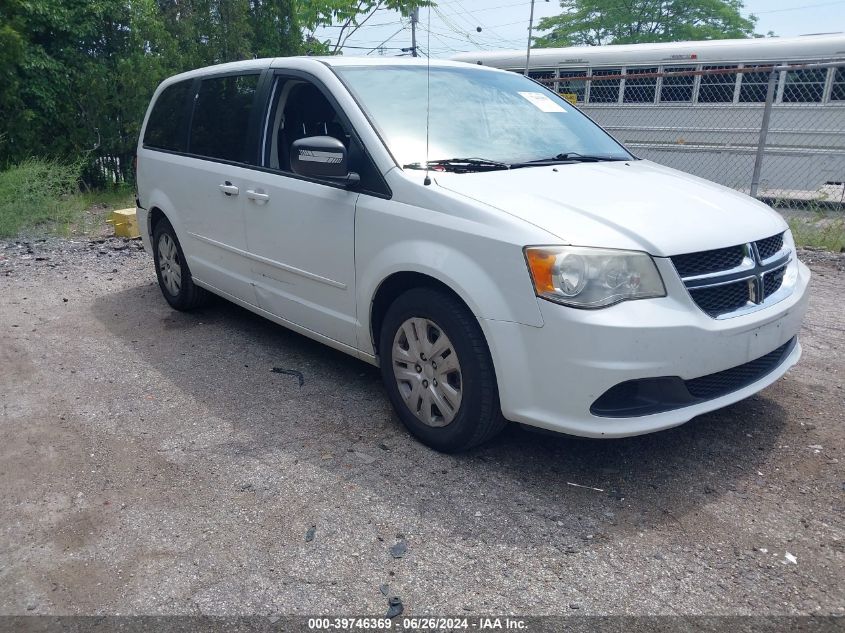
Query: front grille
[(718, 300), (770, 246), (726, 280), (647, 396), (735, 378), (772, 281), (706, 262)]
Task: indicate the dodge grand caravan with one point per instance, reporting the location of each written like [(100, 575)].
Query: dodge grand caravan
[(495, 252)]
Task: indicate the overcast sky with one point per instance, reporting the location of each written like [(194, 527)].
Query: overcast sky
[(504, 24)]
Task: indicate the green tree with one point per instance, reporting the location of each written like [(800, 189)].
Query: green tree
[(598, 22), (76, 75), (276, 28), (11, 52)]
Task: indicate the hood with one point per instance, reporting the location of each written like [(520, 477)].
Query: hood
[(635, 204)]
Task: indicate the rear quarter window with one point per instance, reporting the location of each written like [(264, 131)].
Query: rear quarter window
[(219, 128), (167, 126)]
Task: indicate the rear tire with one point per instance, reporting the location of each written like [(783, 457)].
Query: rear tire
[(451, 406), (174, 276)]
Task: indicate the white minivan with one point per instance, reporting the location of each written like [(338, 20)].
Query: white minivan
[(496, 253)]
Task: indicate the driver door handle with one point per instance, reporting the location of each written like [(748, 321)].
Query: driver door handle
[(228, 189), (257, 195)]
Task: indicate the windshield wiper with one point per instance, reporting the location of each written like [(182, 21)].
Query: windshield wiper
[(569, 157), (460, 165)]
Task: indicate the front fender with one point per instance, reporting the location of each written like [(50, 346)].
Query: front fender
[(507, 296)]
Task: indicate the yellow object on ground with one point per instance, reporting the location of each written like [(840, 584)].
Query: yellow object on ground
[(125, 223)]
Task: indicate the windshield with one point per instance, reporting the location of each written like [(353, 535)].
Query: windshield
[(475, 113)]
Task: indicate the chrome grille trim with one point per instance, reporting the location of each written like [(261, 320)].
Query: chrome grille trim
[(736, 274), (782, 253), (747, 264), (756, 271)]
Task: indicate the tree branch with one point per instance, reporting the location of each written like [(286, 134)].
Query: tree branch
[(361, 23), (349, 20)]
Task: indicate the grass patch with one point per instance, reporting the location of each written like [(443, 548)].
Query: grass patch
[(820, 231), (43, 196), (95, 208)]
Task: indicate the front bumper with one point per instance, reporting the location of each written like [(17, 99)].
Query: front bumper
[(550, 376)]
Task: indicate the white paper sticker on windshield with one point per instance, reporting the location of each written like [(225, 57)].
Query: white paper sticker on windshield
[(542, 102)]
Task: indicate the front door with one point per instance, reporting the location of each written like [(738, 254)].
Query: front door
[(301, 233), (301, 238)]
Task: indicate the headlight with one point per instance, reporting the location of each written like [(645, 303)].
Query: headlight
[(592, 277)]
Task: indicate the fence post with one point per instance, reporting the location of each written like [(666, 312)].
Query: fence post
[(764, 130)]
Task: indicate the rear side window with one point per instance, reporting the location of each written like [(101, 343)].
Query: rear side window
[(677, 88), (717, 87), (754, 87), (573, 85), (804, 86), (605, 90), (219, 128), (167, 127), (640, 90), (837, 92)]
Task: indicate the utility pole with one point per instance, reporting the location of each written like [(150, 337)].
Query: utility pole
[(415, 17), (530, 26)]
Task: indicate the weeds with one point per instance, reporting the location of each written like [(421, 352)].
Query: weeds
[(819, 231), (44, 195)]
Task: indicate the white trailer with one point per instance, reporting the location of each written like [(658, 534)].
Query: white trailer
[(699, 106)]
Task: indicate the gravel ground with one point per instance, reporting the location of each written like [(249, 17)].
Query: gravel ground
[(151, 462)]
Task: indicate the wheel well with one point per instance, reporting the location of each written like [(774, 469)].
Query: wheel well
[(391, 288), (156, 215)]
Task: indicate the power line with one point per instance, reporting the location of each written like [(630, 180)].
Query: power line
[(474, 22), (439, 39), (387, 40), (501, 6), (798, 8), (367, 48), (451, 26), (341, 26), (463, 40), (454, 21), (446, 45)]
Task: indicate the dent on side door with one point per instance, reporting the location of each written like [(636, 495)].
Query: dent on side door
[(300, 236)]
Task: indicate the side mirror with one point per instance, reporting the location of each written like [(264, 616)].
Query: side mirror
[(322, 157)]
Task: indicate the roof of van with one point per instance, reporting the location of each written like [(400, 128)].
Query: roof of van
[(336, 61), (342, 60)]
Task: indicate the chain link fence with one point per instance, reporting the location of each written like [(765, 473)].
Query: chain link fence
[(776, 132)]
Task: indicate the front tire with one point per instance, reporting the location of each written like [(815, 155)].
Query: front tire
[(438, 372), (174, 276)]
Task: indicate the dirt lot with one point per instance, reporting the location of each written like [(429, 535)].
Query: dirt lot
[(151, 462)]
